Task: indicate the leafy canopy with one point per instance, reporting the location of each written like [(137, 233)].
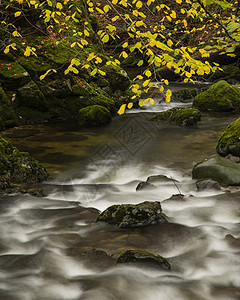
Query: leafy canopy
[(177, 34)]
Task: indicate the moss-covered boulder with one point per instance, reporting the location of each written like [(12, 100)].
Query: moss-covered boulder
[(229, 141), (184, 95), (219, 169), (94, 115), (13, 75), (8, 117), (143, 257), (221, 96), (117, 78), (98, 100), (18, 167), (179, 115), (31, 96), (130, 215)]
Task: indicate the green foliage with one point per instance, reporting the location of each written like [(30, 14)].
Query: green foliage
[(153, 30)]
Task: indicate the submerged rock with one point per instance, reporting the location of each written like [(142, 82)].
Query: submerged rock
[(130, 215), (203, 185), (219, 97), (219, 169), (179, 115), (184, 95), (229, 141), (18, 167), (143, 185), (94, 115), (160, 179), (142, 256)]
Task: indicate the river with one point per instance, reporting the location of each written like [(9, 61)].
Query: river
[(44, 242)]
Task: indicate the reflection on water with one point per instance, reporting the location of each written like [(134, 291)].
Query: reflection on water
[(43, 241)]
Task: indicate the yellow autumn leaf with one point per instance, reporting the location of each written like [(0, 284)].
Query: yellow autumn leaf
[(179, 1), (86, 32), (102, 72), (148, 73), (59, 6), (168, 96), (125, 45), (141, 103), (130, 105), (122, 109), (17, 14), (139, 4)]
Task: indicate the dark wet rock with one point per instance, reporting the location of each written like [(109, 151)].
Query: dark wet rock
[(8, 117), (229, 142), (92, 257), (176, 197), (129, 215), (94, 115), (179, 115), (143, 185), (155, 179), (18, 167), (219, 97), (236, 159), (143, 257), (235, 242), (203, 185), (230, 73), (184, 95), (218, 169)]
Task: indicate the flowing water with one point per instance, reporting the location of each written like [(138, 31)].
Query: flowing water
[(44, 242)]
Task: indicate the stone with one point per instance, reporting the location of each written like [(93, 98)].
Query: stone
[(94, 115), (143, 185), (130, 215), (143, 257), (158, 179), (219, 169), (203, 185), (179, 115), (221, 96), (229, 141)]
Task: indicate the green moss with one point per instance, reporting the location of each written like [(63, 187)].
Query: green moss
[(219, 97), (98, 100), (60, 54), (30, 96), (82, 88), (184, 95), (8, 117), (129, 215), (12, 75), (94, 115), (34, 65), (179, 115), (117, 78), (142, 256), (229, 141), (19, 167)]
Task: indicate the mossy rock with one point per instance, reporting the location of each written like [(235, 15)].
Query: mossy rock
[(98, 100), (230, 73), (143, 257), (59, 54), (19, 167), (59, 88), (35, 66), (229, 141), (13, 75), (8, 117), (219, 169), (219, 97), (166, 73), (129, 215), (83, 88), (184, 95), (94, 115), (31, 96), (179, 116), (117, 78)]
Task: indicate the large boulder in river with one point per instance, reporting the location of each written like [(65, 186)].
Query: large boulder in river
[(18, 167), (179, 116), (143, 257), (130, 215), (221, 96), (229, 141), (219, 169), (94, 115)]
